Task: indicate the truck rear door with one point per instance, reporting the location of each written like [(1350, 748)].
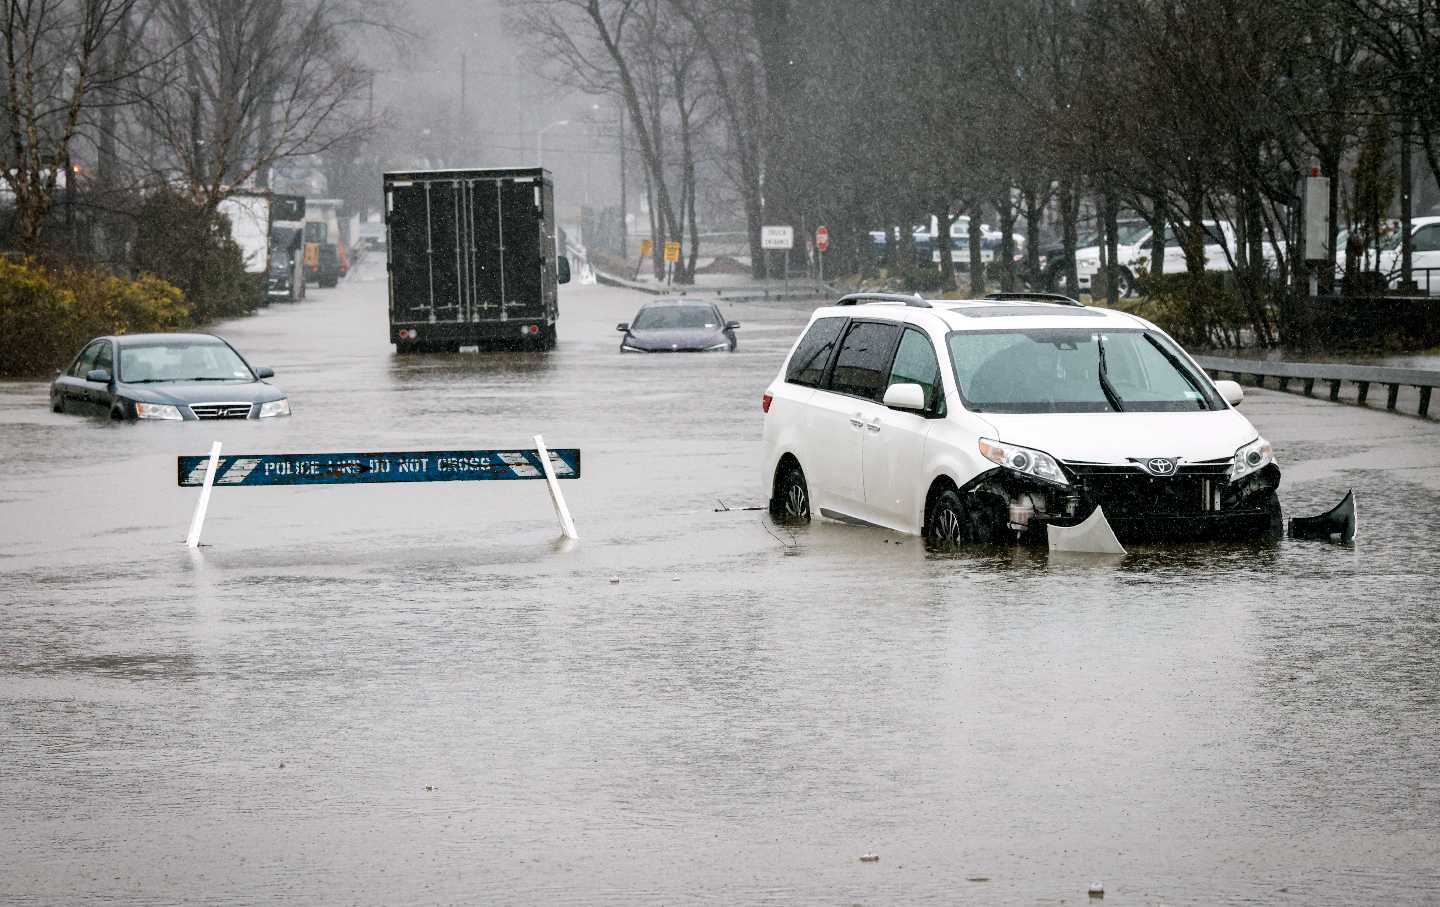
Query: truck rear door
[(521, 227), (425, 220)]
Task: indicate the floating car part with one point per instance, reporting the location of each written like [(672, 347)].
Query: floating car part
[(1093, 535), (1336, 524)]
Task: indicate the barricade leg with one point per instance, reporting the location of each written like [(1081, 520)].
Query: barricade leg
[(197, 522), (562, 512)]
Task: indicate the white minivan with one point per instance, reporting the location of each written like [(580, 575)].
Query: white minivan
[(987, 420)]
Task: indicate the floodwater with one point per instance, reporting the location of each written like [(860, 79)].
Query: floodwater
[(415, 694)]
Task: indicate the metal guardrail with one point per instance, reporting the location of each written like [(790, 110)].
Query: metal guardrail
[(1335, 374)]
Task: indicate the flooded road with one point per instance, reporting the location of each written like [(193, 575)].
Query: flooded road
[(415, 694)]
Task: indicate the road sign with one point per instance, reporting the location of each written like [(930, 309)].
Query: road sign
[(822, 238), (777, 237), (364, 468), (646, 247), (672, 251)]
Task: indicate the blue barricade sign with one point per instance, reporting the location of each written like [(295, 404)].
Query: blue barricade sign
[(355, 468)]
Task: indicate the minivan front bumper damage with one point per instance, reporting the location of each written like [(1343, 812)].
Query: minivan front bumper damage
[(1198, 503)]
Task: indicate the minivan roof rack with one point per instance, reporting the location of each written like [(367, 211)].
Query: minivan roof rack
[(1056, 298), (860, 298)]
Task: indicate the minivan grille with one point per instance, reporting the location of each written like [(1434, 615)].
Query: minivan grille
[(221, 410)]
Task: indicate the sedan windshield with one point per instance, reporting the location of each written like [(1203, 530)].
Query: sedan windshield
[(1076, 370), (671, 317), (180, 361)]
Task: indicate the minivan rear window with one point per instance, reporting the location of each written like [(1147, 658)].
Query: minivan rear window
[(812, 354)]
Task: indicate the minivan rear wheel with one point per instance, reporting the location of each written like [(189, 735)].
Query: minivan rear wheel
[(791, 503)]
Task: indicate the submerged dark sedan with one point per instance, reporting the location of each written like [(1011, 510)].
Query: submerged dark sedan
[(678, 326), (170, 377)]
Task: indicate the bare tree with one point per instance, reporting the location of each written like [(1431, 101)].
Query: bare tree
[(52, 72), (256, 82)]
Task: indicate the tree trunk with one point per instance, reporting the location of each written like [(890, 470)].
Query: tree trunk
[(1032, 237), (1007, 212), (977, 262), (1159, 214), (947, 255), (1069, 214)]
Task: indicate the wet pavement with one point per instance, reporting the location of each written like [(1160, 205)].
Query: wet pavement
[(415, 694)]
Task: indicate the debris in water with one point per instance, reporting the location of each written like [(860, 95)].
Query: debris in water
[(282, 765), (978, 879), (1097, 889), (614, 579), (870, 858), (429, 787)]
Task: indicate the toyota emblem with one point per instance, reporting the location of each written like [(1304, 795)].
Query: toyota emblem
[(1160, 466)]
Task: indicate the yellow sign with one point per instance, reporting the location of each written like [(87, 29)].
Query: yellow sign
[(646, 246), (672, 251)]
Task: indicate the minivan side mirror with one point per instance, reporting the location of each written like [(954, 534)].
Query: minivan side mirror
[(905, 396), (562, 270), (1231, 391), (98, 375), (264, 372), (623, 326), (732, 325)]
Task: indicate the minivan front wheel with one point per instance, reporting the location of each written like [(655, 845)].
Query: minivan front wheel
[(791, 502), (951, 522)]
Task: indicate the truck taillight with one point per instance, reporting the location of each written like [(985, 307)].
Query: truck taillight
[(765, 402)]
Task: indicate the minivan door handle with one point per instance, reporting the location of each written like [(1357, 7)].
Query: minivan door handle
[(874, 425), (856, 421)]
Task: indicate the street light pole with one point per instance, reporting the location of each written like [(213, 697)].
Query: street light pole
[(539, 136)]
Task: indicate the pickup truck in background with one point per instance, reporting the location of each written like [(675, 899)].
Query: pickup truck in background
[(471, 258)]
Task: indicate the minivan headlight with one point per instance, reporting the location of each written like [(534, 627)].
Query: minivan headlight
[(158, 411), (1023, 460), (279, 407), (1251, 458)]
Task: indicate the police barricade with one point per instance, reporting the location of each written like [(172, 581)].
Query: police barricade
[(251, 471)]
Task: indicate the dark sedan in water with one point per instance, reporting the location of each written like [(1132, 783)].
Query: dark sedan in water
[(678, 326), (170, 377)]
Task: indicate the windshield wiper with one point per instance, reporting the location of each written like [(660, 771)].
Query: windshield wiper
[(1110, 394)]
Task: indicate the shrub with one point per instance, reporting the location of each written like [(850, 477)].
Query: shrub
[(189, 246), (47, 314)]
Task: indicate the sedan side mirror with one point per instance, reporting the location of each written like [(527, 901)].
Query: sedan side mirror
[(1231, 391), (264, 372), (562, 270), (623, 327), (732, 325), (905, 396), (98, 375)]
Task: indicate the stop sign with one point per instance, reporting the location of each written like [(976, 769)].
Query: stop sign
[(822, 238)]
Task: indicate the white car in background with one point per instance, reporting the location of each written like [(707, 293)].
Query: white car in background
[(1424, 256), (1134, 248), (988, 420)]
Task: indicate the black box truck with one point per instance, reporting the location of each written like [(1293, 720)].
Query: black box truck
[(471, 258)]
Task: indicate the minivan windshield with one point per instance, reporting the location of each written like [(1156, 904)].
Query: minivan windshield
[(1076, 370)]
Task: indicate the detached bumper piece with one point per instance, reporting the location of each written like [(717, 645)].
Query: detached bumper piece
[(1337, 524)]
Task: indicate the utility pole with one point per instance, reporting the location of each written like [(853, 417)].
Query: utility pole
[(624, 229)]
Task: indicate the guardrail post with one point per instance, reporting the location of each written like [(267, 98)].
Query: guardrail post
[(1392, 396), (1424, 402), (1364, 392), (1284, 383), (1259, 380), (1335, 389), (1309, 386)]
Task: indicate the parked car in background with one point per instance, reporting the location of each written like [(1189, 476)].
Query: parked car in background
[(678, 326), (1424, 256), (989, 420), (166, 377), (1133, 253)]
